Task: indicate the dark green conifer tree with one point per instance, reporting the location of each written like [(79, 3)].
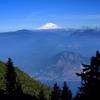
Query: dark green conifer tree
[(56, 93), (66, 92), (90, 80), (10, 78)]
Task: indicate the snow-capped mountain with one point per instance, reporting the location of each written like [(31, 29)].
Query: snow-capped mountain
[(50, 26)]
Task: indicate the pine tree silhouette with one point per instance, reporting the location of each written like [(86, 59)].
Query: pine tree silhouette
[(90, 80), (66, 93), (10, 78), (56, 93)]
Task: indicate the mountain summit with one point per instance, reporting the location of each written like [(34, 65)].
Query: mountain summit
[(50, 26)]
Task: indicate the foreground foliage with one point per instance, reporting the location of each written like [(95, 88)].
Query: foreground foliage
[(90, 80), (15, 84)]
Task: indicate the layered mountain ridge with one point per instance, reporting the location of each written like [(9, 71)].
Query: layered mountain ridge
[(36, 51)]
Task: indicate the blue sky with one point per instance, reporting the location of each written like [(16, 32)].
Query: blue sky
[(31, 14)]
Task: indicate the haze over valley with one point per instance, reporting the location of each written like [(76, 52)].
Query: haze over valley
[(38, 52)]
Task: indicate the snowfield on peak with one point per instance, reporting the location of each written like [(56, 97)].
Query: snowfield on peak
[(50, 26)]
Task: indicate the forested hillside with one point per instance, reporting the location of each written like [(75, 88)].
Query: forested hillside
[(29, 85)]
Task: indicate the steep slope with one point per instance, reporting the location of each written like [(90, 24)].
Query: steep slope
[(29, 85), (62, 67)]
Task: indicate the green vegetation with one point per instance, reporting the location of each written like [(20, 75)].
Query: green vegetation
[(15, 84), (90, 80), (28, 84), (2, 74), (31, 86)]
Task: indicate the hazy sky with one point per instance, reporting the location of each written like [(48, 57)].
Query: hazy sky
[(31, 14)]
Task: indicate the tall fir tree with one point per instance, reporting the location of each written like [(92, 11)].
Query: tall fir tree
[(56, 93), (90, 80), (66, 92), (10, 78)]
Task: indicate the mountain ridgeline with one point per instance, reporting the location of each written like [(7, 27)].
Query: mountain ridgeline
[(65, 64), (35, 50)]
